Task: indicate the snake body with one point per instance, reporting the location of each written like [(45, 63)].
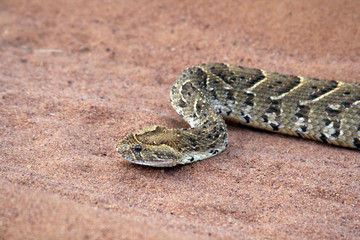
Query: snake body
[(205, 95)]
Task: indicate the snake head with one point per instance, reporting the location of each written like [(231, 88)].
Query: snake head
[(150, 146)]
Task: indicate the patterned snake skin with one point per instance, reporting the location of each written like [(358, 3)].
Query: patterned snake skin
[(327, 111)]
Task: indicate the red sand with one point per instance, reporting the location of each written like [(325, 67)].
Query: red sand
[(76, 77)]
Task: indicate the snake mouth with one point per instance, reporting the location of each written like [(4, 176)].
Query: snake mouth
[(154, 163), (131, 155), (150, 163)]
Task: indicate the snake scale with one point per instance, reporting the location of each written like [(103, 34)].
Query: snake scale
[(206, 95)]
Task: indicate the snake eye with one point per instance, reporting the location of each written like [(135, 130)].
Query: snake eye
[(138, 148)]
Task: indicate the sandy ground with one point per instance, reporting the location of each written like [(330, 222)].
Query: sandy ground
[(76, 76)]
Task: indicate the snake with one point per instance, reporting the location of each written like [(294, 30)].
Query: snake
[(207, 95)]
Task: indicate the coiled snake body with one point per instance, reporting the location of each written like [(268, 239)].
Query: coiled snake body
[(327, 111)]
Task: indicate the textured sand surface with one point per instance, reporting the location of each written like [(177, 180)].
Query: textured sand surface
[(76, 76)]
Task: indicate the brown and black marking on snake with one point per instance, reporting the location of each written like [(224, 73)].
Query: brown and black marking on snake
[(197, 109), (283, 103), (327, 111)]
